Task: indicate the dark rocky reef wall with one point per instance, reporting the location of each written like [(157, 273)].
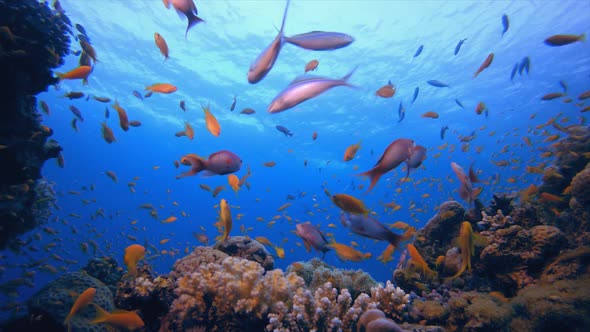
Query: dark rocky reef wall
[(33, 41)]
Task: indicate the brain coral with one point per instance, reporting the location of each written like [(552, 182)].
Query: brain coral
[(56, 300)]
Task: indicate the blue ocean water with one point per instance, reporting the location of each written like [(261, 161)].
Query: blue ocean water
[(210, 66)]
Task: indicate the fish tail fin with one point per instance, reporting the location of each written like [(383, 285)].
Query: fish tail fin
[(324, 251), (192, 20), (394, 239), (284, 19), (101, 314), (583, 37), (347, 76), (374, 175), (196, 164)]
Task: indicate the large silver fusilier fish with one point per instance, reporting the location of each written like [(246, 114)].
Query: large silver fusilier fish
[(320, 40), (267, 58), (370, 228), (304, 88)]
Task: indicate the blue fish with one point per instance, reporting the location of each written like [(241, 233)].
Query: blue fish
[(458, 47), (419, 50), (401, 112), (459, 103), (443, 130), (416, 90), (284, 130), (320, 40), (437, 83), (106, 112), (563, 86), (525, 65), (505, 24), (513, 71)]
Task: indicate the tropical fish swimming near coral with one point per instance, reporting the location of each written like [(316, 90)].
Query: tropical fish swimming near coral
[(466, 190), (396, 153), (349, 204), (386, 91), (416, 158), (320, 40), (312, 237), (304, 88), (346, 253), (211, 121), (369, 228), (467, 241), (351, 151), (225, 220), (162, 45), (81, 302), (162, 88), (266, 60), (133, 254), (283, 130), (121, 318), (219, 163)]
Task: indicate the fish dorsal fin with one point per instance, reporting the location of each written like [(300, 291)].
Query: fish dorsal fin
[(305, 78)]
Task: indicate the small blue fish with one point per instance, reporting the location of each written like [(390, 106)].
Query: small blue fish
[(138, 95), (401, 112), (458, 47), (563, 86), (419, 50), (416, 91), (107, 113), (525, 65), (505, 24), (443, 130), (284, 130), (438, 83), (513, 71), (459, 103)]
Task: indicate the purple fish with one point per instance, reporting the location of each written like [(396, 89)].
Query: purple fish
[(416, 158), (312, 237), (304, 88), (267, 58), (320, 40), (219, 163), (370, 228)]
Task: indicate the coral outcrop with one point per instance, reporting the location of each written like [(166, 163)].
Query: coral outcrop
[(247, 248), (56, 299), (106, 270), (33, 42), (316, 273)]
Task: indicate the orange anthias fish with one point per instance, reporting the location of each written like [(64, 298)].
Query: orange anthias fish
[(162, 45), (211, 122), (350, 204), (481, 106), (123, 119), (162, 88), (419, 261), (107, 133), (430, 114), (347, 253), (351, 151), (234, 182), (82, 301), (466, 190), (133, 254), (312, 65), (396, 153), (81, 72), (188, 131), (386, 91), (466, 241), (121, 318), (224, 220), (487, 62)]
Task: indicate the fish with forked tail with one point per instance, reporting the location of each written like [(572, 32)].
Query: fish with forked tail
[(396, 153), (370, 228)]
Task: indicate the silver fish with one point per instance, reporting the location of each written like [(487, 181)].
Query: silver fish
[(320, 40), (304, 88), (369, 227), (267, 58)]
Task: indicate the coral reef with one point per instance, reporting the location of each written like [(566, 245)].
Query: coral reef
[(33, 41), (106, 270), (316, 273), (433, 239), (247, 248), (192, 261), (56, 299)]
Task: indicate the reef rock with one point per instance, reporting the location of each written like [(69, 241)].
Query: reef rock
[(247, 248), (436, 237), (33, 41), (581, 187), (106, 270), (56, 299), (516, 255), (199, 256)]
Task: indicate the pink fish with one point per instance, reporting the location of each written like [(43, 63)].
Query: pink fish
[(395, 154), (312, 237), (466, 190), (186, 8), (219, 163), (416, 158)]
